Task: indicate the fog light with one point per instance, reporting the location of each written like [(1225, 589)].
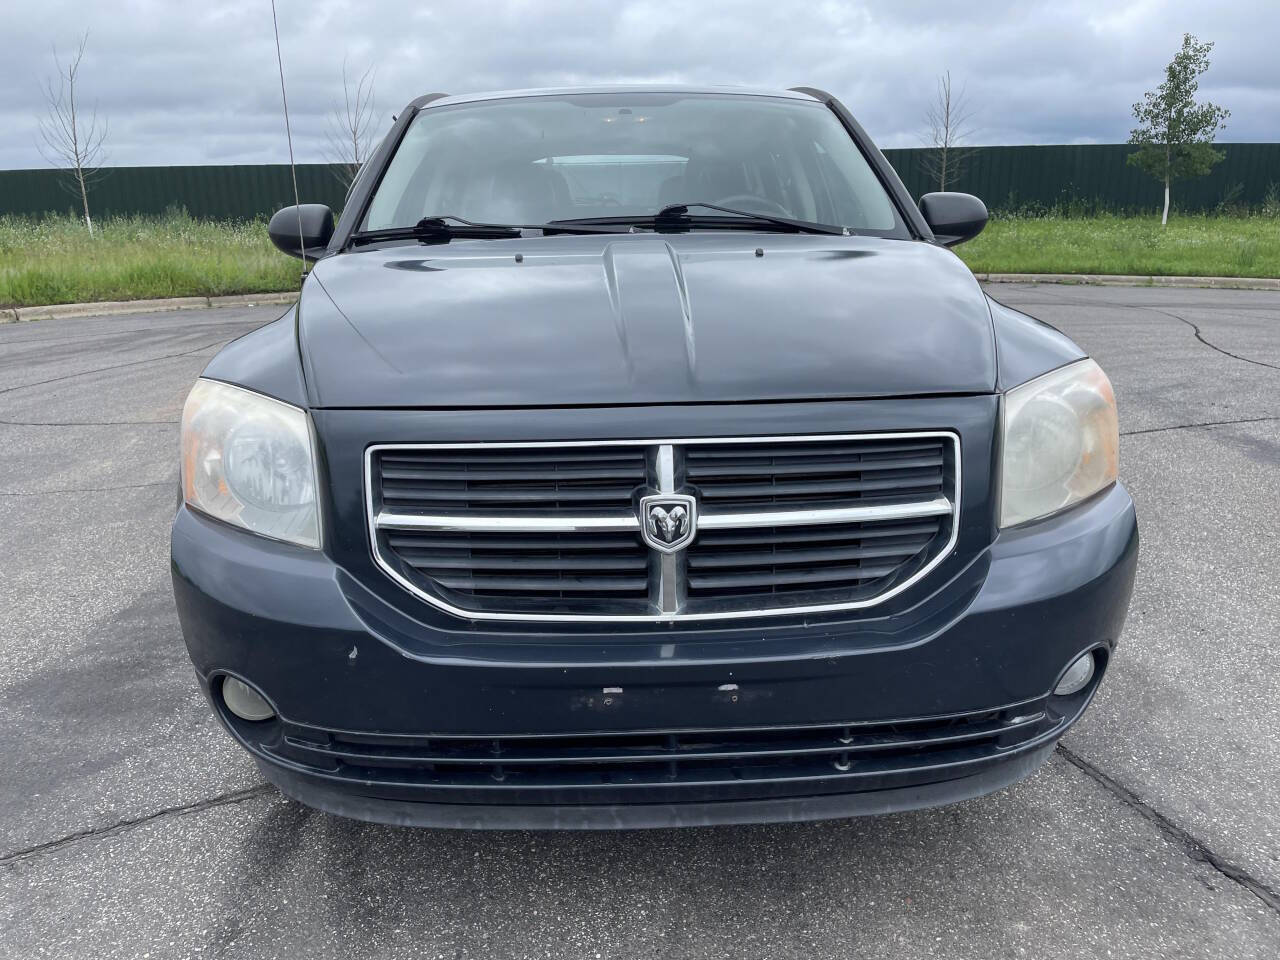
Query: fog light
[(244, 701), (1077, 676)]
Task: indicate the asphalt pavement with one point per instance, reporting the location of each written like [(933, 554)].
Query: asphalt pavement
[(130, 826)]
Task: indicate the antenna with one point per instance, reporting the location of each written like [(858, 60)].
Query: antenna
[(293, 170)]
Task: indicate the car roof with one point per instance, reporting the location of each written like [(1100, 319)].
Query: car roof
[(437, 100)]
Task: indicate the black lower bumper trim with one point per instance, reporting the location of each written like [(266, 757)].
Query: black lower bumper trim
[(469, 816)]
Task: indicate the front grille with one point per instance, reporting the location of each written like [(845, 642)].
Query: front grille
[(815, 474), (552, 531), (511, 480), (492, 566), (807, 563), (602, 767)]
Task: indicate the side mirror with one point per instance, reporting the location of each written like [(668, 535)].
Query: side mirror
[(316, 229), (953, 217)]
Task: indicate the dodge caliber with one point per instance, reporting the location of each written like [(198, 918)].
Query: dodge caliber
[(640, 457)]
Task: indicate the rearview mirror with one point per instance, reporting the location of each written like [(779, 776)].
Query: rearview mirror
[(302, 231), (953, 217)]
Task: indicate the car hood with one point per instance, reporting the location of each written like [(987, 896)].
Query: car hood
[(642, 319)]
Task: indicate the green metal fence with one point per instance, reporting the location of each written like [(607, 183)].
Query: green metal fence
[(1096, 176), (1086, 176), (238, 192)]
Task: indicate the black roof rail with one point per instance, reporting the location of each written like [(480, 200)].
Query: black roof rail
[(426, 98), (814, 92)]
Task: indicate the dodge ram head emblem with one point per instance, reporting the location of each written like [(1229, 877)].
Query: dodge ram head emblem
[(668, 521)]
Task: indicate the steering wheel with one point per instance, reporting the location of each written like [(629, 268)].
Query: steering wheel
[(753, 204)]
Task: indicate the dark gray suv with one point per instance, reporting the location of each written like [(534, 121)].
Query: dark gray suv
[(643, 457)]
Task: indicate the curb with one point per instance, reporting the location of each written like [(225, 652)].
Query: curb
[(108, 307), (1119, 280), (105, 308)]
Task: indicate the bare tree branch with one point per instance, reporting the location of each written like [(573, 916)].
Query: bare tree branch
[(351, 125), (950, 127), (66, 140)]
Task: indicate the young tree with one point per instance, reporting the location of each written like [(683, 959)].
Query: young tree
[(351, 126), (1175, 134), (67, 141), (949, 119)]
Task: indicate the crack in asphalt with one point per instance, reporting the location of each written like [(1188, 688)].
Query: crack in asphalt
[(1195, 848), (123, 826), (117, 366), (1212, 346), (1188, 426), (123, 486), (82, 336), (1066, 301), (87, 423)]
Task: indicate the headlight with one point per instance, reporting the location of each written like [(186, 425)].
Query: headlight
[(1061, 442), (247, 459)]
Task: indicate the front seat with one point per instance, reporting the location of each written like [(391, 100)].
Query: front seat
[(527, 193), (712, 178), (673, 190)]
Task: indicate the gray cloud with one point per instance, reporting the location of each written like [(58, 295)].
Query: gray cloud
[(197, 83)]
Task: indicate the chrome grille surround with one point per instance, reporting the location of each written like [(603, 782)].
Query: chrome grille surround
[(667, 573)]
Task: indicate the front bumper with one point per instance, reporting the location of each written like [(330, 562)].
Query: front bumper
[(385, 717)]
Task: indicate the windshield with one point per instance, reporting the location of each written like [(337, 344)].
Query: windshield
[(532, 160)]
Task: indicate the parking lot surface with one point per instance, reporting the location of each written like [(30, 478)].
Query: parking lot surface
[(130, 826)]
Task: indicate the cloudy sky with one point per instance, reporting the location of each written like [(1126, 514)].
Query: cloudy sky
[(196, 82)]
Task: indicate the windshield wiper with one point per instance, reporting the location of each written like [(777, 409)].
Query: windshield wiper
[(677, 216), (437, 229), (680, 212), (445, 227)]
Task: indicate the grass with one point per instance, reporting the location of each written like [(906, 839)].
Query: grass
[(55, 260), (1197, 246), (131, 258)]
